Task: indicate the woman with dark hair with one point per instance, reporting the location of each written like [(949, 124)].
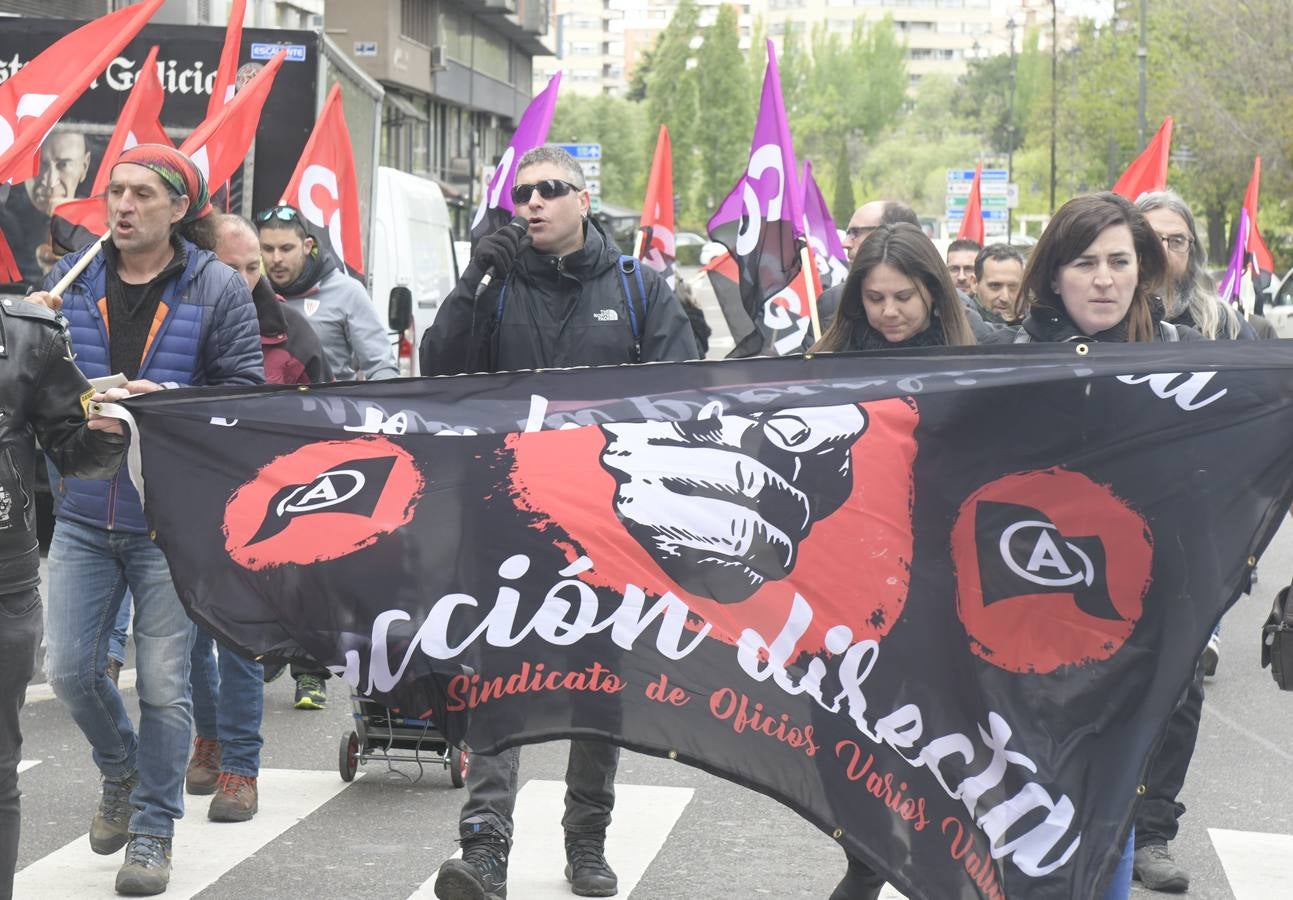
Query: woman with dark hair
[(1093, 276), (898, 294)]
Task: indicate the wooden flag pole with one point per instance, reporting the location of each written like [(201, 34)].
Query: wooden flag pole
[(78, 267), (639, 240), (806, 261)]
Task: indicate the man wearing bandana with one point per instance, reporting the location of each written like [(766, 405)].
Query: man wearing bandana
[(162, 312)]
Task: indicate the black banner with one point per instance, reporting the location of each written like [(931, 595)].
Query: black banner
[(940, 603)]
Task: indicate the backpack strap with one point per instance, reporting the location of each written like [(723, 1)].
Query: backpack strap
[(636, 300), (1022, 337)]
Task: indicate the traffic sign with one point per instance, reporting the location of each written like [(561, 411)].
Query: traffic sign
[(592, 168), (583, 151), (593, 186), (954, 175), (594, 204)]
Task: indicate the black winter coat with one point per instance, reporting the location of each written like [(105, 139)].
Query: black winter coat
[(43, 397), (558, 312), (1045, 326)]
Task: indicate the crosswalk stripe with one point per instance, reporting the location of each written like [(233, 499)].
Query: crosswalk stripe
[(644, 817), (37, 693), (1256, 864), (25, 764), (203, 850)]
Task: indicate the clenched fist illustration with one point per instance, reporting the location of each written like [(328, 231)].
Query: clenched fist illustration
[(723, 503)]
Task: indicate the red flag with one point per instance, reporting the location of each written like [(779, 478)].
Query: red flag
[(76, 223), (219, 145), (324, 187), (1256, 249), (657, 248), (972, 221), (33, 100), (222, 89), (1148, 172)]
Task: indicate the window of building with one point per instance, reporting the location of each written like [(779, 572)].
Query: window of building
[(415, 21)]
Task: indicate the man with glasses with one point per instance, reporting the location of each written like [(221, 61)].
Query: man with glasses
[(961, 254), (559, 294), (336, 305)]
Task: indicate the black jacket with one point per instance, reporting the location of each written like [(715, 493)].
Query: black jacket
[(1045, 326), (558, 312), (42, 397), (828, 305)]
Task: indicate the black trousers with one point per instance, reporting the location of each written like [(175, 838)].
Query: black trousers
[(20, 630), (1160, 808)]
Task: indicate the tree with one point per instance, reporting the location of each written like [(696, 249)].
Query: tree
[(673, 99), (725, 128), (618, 126), (843, 202)]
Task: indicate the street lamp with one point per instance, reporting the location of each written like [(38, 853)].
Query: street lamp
[(1010, 128), (1054, 101)]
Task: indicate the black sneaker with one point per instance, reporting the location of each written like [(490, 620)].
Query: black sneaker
[(1155, 868), (586, 868), (311, 692), (481, 874), (147, 869), (110, 828)]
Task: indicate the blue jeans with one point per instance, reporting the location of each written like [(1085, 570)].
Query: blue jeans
[(90, 570), (120, 630), (1120, 884), (228, 702)]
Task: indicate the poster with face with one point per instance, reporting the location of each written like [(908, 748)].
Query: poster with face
[(69, 161)]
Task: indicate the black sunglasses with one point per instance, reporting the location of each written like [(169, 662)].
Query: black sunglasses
[(548, 189), (282, 213)]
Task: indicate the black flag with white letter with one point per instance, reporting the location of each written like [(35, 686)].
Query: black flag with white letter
[(940, 603)]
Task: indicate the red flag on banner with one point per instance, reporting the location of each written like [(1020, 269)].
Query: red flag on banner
[(656, 244), (324, 187), (972, 221), (222, 89), (75, 223), (219, 145), (1257, 250), (1148, 172)]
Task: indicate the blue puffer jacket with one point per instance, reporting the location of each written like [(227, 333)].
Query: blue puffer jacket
[(206, 333)]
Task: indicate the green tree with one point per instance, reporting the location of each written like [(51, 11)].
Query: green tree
[(843, 200), (673, 99), (619, 126), (725, 128)]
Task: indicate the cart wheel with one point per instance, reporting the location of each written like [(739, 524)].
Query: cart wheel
[(459, 766), (348, 756)]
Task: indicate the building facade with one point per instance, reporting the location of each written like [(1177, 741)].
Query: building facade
[(458, 75)]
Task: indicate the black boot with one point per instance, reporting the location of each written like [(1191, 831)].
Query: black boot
[(860, 882), (586, 868), (481, 874)]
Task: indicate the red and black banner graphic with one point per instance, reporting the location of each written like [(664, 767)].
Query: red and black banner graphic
[(941, 603)]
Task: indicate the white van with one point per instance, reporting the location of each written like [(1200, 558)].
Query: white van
[(412, 247)]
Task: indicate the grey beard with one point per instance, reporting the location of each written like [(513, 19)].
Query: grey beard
[(1181, 291)]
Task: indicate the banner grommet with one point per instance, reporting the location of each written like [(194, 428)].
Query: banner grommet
[(837, 833), (673, 754), (1252, 561), (1083, 349)]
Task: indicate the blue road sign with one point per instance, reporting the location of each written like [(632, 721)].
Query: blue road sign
[(583, 151)]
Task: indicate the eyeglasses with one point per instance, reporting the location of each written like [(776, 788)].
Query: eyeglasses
[(548, 189), (857, 232), (1177, 243), (282, 213)]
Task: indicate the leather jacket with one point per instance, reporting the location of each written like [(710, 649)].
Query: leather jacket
[(43, 396)]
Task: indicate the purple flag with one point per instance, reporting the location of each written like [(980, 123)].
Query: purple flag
[(1231, 282), (819, 228), (761, 222), (496, 208)]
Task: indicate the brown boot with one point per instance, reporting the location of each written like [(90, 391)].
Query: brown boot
[(204, 767), (235, 800)]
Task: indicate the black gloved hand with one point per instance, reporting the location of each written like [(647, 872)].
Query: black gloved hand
[(495, 255)]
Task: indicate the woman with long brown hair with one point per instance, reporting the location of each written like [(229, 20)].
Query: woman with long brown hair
[(1094, 275), (898, 294)]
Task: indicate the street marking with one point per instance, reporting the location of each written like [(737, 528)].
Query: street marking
[(25, 764), (203, 850), (37, 693), (1256, 864), (644, 817)]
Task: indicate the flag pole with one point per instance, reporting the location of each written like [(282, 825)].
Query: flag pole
[(79, 266), (806, 261), (639, 240)]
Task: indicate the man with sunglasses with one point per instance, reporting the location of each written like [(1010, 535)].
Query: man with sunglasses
[(336, 306), (560, 294)]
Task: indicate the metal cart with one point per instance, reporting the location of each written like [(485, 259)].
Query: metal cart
[(382, 734)]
